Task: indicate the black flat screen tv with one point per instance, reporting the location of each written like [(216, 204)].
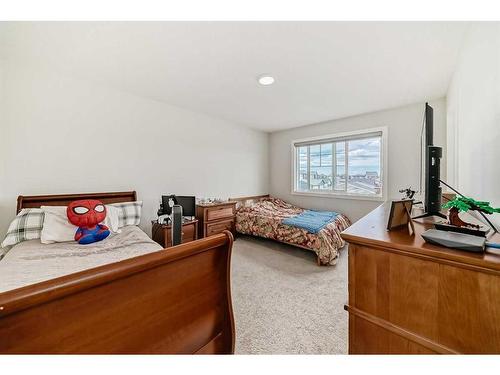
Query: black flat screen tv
[(432, 167)]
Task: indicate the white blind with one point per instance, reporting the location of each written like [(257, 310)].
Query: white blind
[(375, 134)]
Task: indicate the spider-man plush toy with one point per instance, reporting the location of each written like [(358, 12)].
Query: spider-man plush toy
[(86, 215)]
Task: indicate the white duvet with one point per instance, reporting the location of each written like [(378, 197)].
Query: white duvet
[(31, 261)]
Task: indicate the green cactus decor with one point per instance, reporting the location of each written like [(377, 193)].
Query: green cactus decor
[(464, 204)]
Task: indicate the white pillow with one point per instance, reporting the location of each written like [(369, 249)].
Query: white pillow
[(112, 220), (57, 228)]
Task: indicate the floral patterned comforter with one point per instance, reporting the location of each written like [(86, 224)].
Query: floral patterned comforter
[(264, 219)]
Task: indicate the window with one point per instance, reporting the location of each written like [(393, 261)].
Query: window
[(346, 164)]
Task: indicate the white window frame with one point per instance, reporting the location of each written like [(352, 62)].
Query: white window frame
[(345, 195)]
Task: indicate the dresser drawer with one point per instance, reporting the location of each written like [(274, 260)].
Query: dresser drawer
[(215, 213), (214, 228), (215, 217)]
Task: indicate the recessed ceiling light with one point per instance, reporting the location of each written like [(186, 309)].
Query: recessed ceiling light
[(266, 80)]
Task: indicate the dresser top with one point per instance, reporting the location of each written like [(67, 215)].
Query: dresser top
[(371, 230)]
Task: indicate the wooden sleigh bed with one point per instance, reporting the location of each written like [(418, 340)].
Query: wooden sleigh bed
[(165, 302)]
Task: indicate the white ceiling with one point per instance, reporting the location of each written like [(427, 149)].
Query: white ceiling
[(323, 70)]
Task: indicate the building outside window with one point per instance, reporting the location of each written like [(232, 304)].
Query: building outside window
[(348, 164)]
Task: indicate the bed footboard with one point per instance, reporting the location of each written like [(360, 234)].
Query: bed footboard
[(172, 301)]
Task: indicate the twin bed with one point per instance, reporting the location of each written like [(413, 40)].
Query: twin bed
[(31, 262), (266, 217), (123, 295)]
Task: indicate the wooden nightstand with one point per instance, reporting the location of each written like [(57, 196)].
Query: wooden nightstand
[(162, 233), (215, 218)]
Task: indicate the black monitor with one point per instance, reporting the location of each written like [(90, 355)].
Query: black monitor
[(188, 204)]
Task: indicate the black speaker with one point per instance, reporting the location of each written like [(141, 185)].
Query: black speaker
[(176, 225), (433, 190)]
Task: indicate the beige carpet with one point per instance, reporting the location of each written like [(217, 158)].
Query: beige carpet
[(284, 303)]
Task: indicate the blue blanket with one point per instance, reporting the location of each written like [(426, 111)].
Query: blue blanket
[(312, 221)]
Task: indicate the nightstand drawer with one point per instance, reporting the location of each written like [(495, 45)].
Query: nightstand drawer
[(214, 228), (187, 235), (163, 233), (216, 213)]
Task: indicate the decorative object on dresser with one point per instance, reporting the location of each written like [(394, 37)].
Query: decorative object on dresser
[(215, 218), (162, 233), (407, 296), (400, 215), (408, 193), (465, 204)]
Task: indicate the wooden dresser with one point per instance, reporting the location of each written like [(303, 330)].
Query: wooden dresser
[(162, 233), (407, 296), (215, 217)]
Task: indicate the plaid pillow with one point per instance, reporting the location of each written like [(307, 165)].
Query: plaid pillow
[(26, 226), (129, 213)]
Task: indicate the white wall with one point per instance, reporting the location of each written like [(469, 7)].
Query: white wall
[(64, 135), (473, 109), (404, 126), (3, 142)]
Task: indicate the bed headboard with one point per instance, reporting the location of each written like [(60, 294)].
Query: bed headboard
[(34, 201), (247, 200)]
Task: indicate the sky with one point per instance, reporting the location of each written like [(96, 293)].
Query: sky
[(364, 155)]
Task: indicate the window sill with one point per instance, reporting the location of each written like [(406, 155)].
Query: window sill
[(376, 198)]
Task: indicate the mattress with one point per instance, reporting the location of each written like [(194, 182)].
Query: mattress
[(265, 219), (31, 262)]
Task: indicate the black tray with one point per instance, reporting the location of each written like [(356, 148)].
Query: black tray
[(481, 232)]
